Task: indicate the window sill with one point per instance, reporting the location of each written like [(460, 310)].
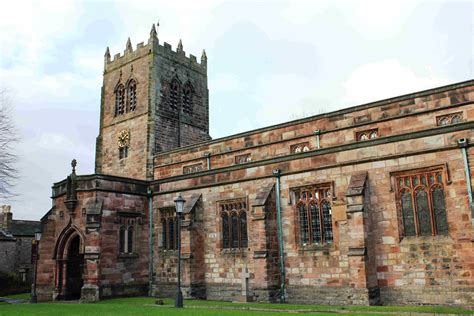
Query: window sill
[(235, 251), (326, 247), (128, 255), (439, 239)]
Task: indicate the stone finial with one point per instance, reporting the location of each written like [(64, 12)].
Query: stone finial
[(180, 46), (128, 46), (73, 165), (203, 56), (153, 31), (107, 55)]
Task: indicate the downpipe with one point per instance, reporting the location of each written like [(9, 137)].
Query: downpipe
[(463, 144), (150, 241), (277, 174)]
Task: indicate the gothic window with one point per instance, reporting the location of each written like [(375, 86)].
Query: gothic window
[(188, 98), (169, 229), (192, 168), (132, 96), (421, 202), (368, 134), (233, 215), (242, 159), (126, 239), (119, 100), (298, 148), (452, 118), (314, 214), (175, 94)]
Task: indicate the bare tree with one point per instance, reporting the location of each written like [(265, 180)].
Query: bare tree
[(8, 138)]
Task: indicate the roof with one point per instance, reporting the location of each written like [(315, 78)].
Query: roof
[(24, 228)]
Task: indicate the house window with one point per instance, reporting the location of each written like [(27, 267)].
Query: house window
[(169, 229), (126, 239), (192, 168), (233, 214), (298, 148), (366, 135), (132, 96), (314, 213), (240, 159), (452, 118), (421, 202), (119, 100)]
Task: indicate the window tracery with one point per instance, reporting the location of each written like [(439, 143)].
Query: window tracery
[(314, 214), (421, 202), (368, 134), (298, 148), (233, 214), (452, 118), (175, 94), (188, 93), (240, 159), (119, 100), (132, 96)]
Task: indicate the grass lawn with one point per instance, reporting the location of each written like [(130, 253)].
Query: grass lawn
[(146, 306)]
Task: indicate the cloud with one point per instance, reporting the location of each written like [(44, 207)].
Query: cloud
[(384, 79)]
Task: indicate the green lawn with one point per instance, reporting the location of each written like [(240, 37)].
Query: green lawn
[(146, 306)]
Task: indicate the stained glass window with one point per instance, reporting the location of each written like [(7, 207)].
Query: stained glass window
[(422, 202)]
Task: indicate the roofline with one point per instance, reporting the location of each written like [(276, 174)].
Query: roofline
[(363, 106)]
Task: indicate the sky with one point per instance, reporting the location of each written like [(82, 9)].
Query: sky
[(268, 62)]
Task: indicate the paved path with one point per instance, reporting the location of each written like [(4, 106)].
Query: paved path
[(13, 300)]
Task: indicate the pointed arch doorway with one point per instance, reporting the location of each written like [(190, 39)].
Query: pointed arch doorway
[(74, 270), (69, 255)]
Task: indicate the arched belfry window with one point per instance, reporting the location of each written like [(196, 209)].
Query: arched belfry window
[(119, 100), (421, 202), (175, 94), (131, 95), (233, 214), (314, 212), (188, 93)]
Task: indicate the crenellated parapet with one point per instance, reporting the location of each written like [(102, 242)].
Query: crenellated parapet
[(153, 47)]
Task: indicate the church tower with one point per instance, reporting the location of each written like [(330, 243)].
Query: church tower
[(153, 99)]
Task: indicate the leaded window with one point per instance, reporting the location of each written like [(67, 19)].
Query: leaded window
[(132, 96), (119, 100), (421, 202), (314, 214), (169, 229), (233, 214)]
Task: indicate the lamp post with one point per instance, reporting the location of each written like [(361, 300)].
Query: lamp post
[(179, 202), (34, 297)]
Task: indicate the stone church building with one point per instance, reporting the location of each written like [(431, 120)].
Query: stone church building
[(370, 204)]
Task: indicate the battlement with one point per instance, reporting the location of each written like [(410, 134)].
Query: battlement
[(153, 47)]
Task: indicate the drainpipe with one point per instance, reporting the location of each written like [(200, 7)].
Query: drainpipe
[(317, 133), (463, 144), (208, 157), (150, 241), (277, 174)]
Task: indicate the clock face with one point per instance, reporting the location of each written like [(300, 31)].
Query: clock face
[(123, 139)]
